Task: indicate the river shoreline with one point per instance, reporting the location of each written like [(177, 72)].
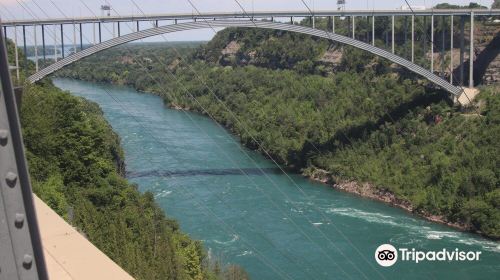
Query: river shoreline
[(370, 191), (362, 189), (365, 190)]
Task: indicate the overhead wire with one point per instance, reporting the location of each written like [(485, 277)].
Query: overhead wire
[(466, 95), (58, 9), (267, 153), (242, 171), (220, 221), (282, 170), (239, 146)]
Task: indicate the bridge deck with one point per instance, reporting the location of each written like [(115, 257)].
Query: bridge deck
[(260, 14), (68, 254)]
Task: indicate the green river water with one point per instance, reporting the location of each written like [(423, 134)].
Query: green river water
[(247, 212)]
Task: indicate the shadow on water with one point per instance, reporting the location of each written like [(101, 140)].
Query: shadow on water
[(202, 172)]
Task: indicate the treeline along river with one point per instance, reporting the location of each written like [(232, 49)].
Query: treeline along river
[(248, 212)]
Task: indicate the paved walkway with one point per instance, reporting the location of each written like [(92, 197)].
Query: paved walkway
[(68, 254)]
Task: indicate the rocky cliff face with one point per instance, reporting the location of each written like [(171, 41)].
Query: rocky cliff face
[(492, 75), (488, 59), (486, 55)]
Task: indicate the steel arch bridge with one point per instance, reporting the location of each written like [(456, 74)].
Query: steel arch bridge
[(454, 90)]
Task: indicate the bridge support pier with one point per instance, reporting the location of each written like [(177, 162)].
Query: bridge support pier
[(81, 37), (333, 24), (62, 41), (373, 30), (36, 48), (74, 38), (367, 34), (16, 53), (424, 43), (393, 50), (432, 43), (119, 32), (471, 55), (100, 34), (55, 43), (405, 38), (413, 38), (451, 50), (443, 38), (93, 32), (353, 27), (43, 43), (25, 50), (313, 21), (462, 49)]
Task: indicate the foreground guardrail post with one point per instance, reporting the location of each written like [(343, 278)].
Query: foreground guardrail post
[(21, 253)]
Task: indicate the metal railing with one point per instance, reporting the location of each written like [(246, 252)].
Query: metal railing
[(256, 15)]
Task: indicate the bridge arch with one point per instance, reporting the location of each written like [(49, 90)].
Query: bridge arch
[(454, 90)]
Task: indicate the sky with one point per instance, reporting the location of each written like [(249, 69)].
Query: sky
[(28, 9)]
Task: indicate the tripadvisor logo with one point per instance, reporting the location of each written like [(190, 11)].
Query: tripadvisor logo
[(387, 255)]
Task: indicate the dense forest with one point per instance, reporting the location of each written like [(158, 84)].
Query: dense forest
[(76, 166), (367, 120)]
